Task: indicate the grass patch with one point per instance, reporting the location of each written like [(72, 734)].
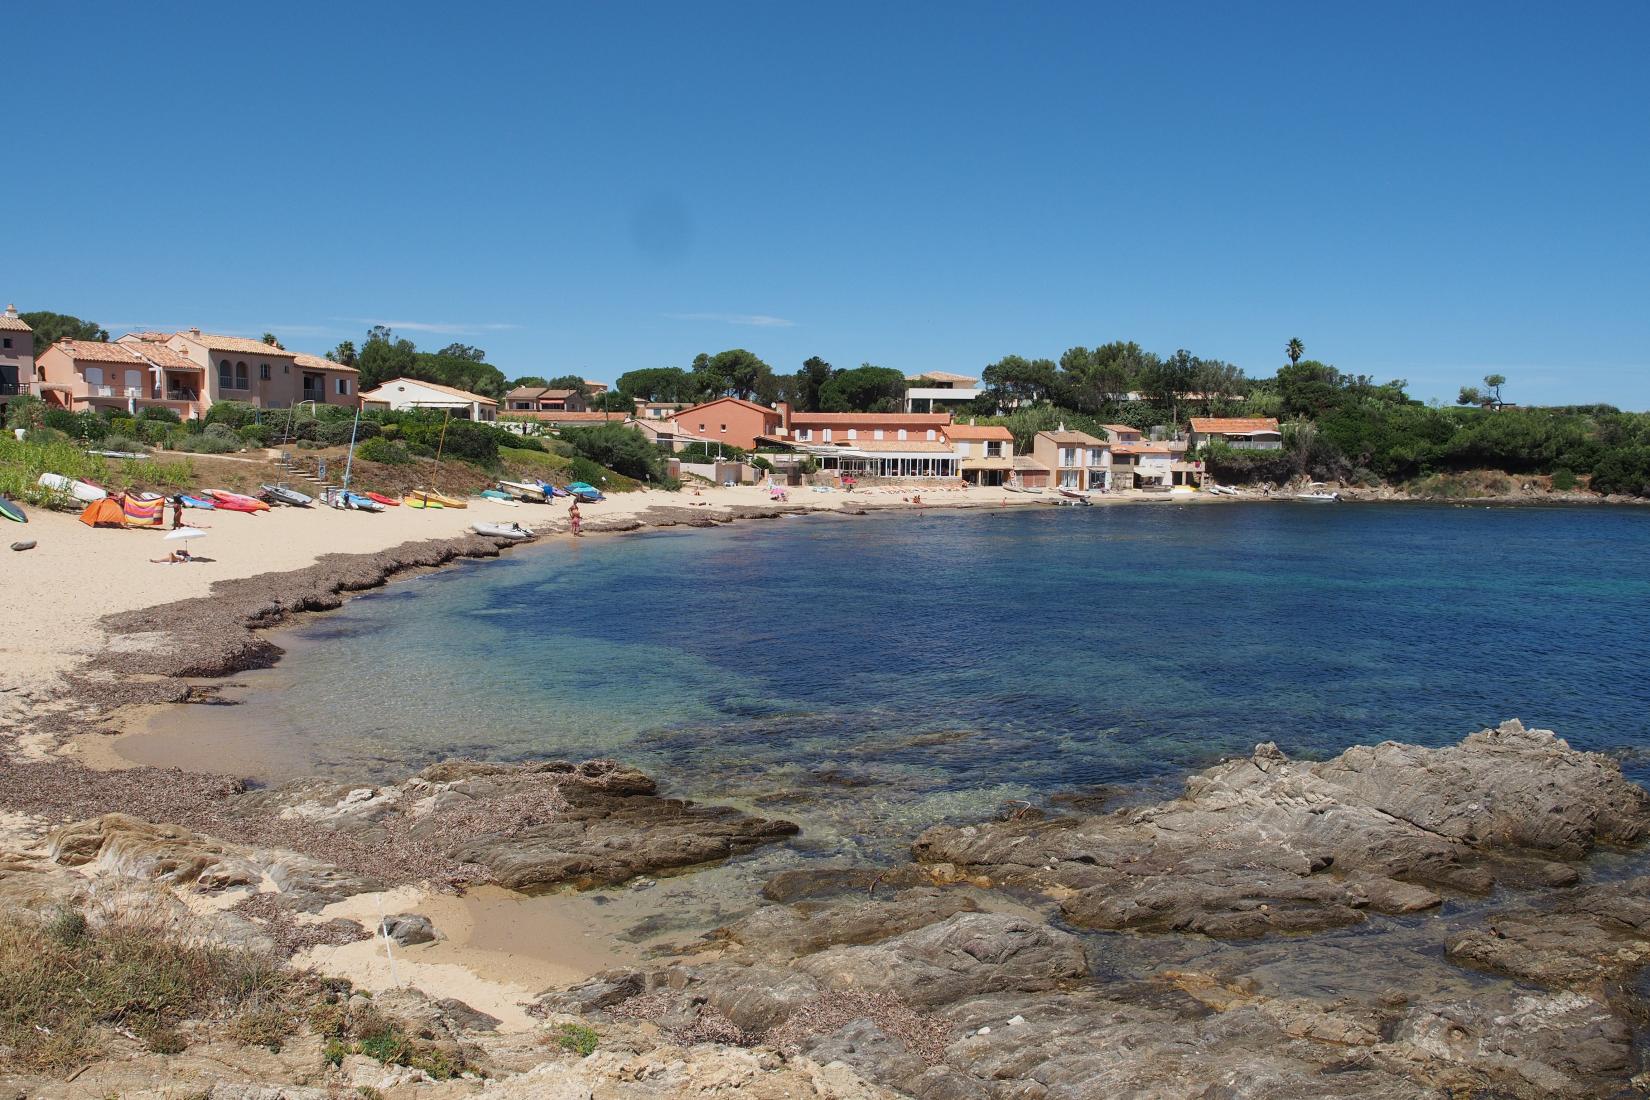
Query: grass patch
[(23, 461), (65, 982)]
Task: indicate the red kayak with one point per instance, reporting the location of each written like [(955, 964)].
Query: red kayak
[(236, 502), (382, 499)]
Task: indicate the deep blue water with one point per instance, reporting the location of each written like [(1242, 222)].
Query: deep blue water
[(874, 675)]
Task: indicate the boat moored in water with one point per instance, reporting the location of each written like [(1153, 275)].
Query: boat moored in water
[(1318, 498)]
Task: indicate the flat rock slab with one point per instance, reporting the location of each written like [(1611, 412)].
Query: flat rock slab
[(1267, 845)]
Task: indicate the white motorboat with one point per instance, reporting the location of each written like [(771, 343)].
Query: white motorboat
[(515, 532), (1075, 496), (524, 490), (1318, 498), (1017, 487)]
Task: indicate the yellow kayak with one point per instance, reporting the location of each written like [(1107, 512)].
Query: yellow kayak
[(424, 498)]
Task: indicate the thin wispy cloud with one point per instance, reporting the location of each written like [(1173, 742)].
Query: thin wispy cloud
[(438, 328), (755, 320)]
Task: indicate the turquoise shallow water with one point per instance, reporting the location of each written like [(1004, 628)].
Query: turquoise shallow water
[(871, 676)]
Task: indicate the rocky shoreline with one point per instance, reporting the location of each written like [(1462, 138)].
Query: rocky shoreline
[(1395, 922)]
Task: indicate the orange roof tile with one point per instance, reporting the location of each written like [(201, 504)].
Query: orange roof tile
[(1122, 429), (240, 345), (160, 354), (98, 351), (909, 446), (736, 400), (318, 362), (1233, 425), (11, 322), (977, 432), (940, 376), (1067, 435)]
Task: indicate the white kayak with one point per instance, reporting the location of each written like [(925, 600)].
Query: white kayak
[(512, 531), (80, 490)]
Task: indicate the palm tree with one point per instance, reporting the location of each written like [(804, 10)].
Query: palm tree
[(1294, 349)]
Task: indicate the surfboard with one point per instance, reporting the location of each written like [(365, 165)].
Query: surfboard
[(13, 511)]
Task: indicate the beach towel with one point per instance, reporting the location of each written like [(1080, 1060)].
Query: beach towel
[(144, 513), (103, 513)]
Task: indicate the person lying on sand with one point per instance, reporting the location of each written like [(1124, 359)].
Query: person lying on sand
[(175, 557)]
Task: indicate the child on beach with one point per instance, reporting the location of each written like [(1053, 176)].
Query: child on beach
[(573, 518)]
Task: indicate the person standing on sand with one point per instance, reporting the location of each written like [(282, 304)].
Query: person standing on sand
[(573, 518), (177, 511)]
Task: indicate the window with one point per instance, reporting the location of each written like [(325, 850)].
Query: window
[(240, 377), (6, 341), (877, 434), (827, 436), (724, 429), (343, 387), (993, 450), (286, 368), (263, 371), (94, 376), (853, 433), (134, 380), (226, 375), (902, 435), (931, 435)]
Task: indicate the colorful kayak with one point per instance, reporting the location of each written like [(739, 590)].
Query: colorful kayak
[(196, 502), (236, 502), (389, 502), (11, 510), (427, 498)]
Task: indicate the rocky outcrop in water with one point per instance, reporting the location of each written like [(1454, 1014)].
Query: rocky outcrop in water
[(1269, 845)]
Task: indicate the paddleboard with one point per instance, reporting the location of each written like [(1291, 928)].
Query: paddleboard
[(80, 490), (13, 511)]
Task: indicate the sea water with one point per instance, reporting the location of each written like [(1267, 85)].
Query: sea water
[(869, 676)]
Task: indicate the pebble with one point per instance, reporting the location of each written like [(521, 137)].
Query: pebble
[(1016, 1021), (983, 1031)]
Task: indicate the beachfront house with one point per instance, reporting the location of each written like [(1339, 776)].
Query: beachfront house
[(1077, 460), (660, 410), (939, 391), (127, 376), (234, 368), (326, 382), (985, 453), (595, 389), (1122, 433), (402, 394), (898, 446), (544, 399), (1245, 433), (16, 356), (731, 420)]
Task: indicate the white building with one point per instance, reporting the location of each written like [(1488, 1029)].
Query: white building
[(938, 391), (401, 394)]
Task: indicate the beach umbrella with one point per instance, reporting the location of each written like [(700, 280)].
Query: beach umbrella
[(184, 533)]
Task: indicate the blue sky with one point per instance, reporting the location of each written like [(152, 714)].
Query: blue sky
[(1426, 191)]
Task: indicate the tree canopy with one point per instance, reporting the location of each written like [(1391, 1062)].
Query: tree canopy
[(383, 356), (865, 388), (51, 327)]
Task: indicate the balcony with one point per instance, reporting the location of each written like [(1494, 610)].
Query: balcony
[(1255, 444), (12, 389)]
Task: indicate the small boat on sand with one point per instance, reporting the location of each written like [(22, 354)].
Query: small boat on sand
[(196, 502), (499, 496), (1075, 496), (280, 494), (515, 532), (11, 510), (584, 491), (529, 491), (236, 502), (427, 498), (388, 502), (80, 490), (1018, 487), (1318, 498), (343, 499)]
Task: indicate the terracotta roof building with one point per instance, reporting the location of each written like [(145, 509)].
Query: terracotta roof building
[(1253, 433), (16, 355)]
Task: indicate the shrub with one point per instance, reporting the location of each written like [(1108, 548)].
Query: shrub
[(122, 443), (379, 449), (123, 426), (1563, 480), (621, 449), (81, 425), (158, 431), (579, 1039), (236, 414), (207, 444), (25, 411), (160, 414), (256, 435), (221, 431)]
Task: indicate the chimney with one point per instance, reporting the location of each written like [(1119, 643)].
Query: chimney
[(195, 332), (784, 408), (11, 312)]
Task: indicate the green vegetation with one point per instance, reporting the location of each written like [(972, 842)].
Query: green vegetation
[(380, 449), (51, 327), (362, 1029), (621, 449), (578, 1038), (65, 982), (383, 356), (22, 463)]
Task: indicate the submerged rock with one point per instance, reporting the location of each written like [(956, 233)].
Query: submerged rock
[(1268, 845)]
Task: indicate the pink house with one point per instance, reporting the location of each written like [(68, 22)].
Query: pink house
[(129, 375), (16, 356)]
